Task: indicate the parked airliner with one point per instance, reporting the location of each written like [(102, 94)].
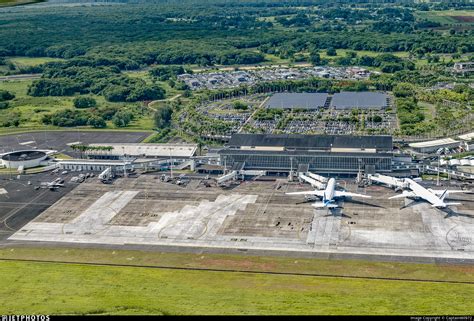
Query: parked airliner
[(329, 195), (434, 197)]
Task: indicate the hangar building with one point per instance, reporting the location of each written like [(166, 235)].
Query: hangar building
[(320, 153)]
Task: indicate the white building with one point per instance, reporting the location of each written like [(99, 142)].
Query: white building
[(23, 159), (116, 151), (434, 145)]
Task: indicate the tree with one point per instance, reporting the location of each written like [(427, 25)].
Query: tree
[(84, 102), (391, 67), (116, 93), (4, 104), (315, 58), (141, 93), (96, 122), (6, 95), (187, 93), (331, 51), (239, 105), (163, 117), (403, 90), (122, 118)]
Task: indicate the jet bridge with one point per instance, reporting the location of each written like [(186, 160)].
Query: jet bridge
[(392, 182), (314, 183), (239, 172)]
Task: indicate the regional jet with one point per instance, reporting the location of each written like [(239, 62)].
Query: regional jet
[(434, 197), (329, 195), (57, 183)]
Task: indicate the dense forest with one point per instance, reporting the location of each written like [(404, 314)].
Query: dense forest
[(97, 47), (218, 32)]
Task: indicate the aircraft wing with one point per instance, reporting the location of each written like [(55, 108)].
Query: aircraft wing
[(439, 193), (315, 193), (349, 194), (403, 195), (423, 193)]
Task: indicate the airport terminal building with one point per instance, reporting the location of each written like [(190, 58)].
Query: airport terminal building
[(319, 153)]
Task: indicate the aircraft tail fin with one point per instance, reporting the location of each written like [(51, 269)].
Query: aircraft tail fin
[(443, 196)]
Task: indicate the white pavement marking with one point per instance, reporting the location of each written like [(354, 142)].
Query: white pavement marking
[(199, 225), (27, 143), (91, 226)]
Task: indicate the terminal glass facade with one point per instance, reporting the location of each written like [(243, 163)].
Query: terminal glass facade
[(322, 162)]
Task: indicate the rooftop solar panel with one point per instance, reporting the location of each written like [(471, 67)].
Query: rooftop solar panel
[(350, 100), (297, 100)]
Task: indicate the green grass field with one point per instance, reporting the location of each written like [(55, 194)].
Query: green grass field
[(55, 288), (429, 110), (7, 3), (447, 17), (32, 109), (28, 61)]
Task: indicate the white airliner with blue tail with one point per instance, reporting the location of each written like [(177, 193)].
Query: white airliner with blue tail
[(434, 197)]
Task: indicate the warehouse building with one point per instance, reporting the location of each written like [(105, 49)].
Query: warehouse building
[(319, 153)]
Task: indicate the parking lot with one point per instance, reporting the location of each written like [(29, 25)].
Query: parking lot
[(233, 79), (324, 120)]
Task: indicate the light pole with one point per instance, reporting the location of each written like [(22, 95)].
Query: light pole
[(171, 164), (291, 169), (437, 179)]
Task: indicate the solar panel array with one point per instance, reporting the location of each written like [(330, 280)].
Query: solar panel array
[(298, 101), (362, 100), (343, 100)]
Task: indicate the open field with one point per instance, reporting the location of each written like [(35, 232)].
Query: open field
[(242, 262), (342, 53), (31, 61), (51, 288), (7, 3), (448, 17), (32, 109)]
